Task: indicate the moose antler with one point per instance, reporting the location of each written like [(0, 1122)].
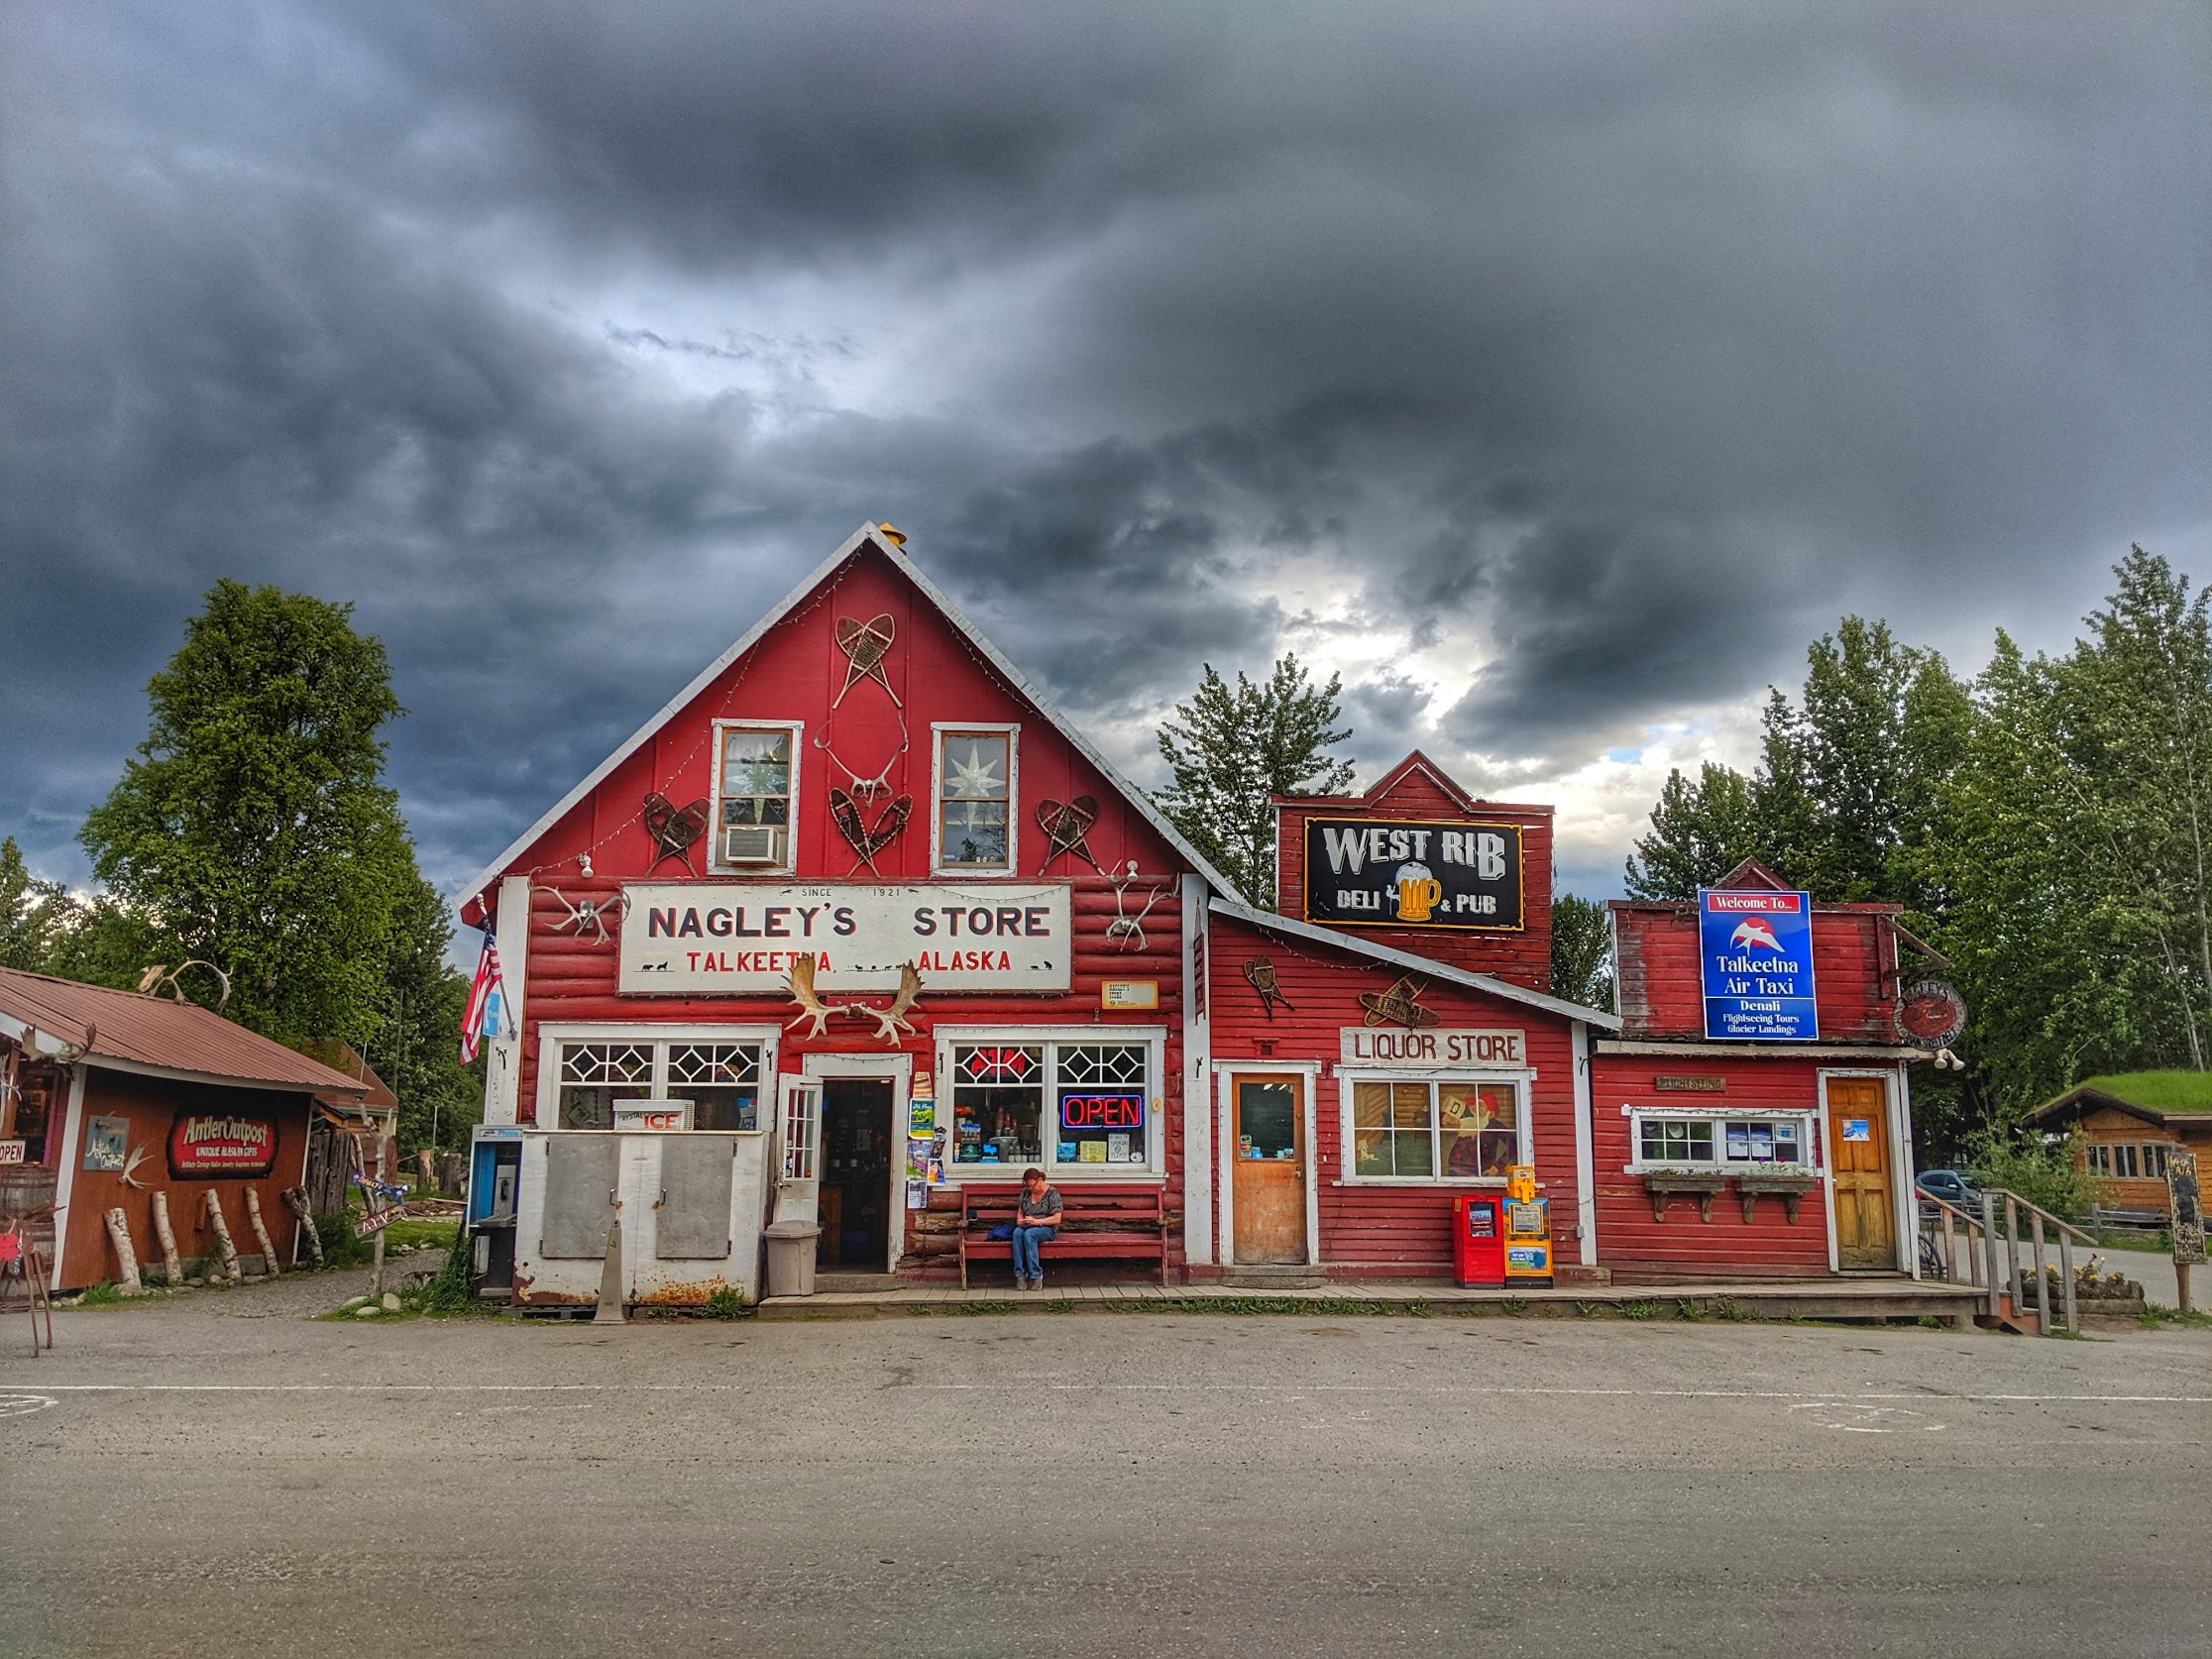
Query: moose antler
[(801, 985), (891, 1020)]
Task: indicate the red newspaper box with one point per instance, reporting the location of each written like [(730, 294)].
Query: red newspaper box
[(1478, 1240)]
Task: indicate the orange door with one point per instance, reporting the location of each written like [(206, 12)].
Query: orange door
[(1859, 1154), (1268, 1121)]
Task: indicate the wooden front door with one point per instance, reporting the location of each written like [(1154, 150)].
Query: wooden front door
[(1266, 1120), (1858, 1155)]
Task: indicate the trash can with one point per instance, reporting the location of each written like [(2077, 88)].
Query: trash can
[(791, 1256)]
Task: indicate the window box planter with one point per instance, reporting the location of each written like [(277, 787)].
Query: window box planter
[(1790, 1185), (1703, 1185)]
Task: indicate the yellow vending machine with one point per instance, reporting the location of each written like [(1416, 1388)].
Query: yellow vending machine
[(1527, 1228)]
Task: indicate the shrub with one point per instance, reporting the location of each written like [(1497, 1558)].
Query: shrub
[(2039, 1170)]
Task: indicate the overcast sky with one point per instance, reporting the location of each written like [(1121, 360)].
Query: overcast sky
[(1553, 372)]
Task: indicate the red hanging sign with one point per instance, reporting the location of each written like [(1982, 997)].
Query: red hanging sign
[(208, 1144)]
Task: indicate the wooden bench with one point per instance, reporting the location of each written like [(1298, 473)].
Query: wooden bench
[(1099, 1221)]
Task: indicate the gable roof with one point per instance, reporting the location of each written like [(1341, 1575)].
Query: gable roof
[(866, 535), (2152, 1097), (1415, 761), (1409, 963), (130, 1031)]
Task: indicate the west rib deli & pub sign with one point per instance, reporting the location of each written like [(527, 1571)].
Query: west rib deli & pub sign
[(1372, 872)]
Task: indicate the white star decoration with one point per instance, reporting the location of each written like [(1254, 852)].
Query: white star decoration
[(977, 778)]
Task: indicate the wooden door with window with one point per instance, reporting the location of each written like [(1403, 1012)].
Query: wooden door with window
[(1859, 1156), (1267, 1124)]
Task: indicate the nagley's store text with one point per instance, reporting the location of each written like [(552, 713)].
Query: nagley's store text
[(859, 929)]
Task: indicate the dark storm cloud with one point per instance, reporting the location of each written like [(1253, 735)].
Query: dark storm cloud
[(1608, 351)]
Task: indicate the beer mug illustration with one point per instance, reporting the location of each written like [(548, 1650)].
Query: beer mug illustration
[(1418, 892)]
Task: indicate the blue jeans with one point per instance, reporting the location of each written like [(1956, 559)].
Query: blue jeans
[(1025, 1240)]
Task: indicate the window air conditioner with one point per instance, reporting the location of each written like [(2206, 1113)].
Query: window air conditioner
[(752, 843)]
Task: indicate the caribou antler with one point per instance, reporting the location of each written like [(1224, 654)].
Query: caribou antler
[(801, 985), (891, 1020)]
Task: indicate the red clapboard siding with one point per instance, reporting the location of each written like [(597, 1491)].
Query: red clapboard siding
[(1404, 1229), (794, 673), (1684, 1246), (1415, 789), (1854, 958)]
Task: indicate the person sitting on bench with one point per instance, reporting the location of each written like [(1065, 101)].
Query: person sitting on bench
[(1036, 1219)]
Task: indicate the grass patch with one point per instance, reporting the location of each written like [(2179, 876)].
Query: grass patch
[(429, 1234), (2152, 1244), (1640, 1310), (2158, 1318), (727, 1301), (106, 1294)]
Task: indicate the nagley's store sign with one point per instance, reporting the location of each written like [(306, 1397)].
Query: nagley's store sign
[(1408, 873), (730, 938)]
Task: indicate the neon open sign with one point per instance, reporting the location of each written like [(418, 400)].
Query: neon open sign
[(1102, 1109)]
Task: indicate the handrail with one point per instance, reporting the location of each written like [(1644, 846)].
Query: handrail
[(2089, 1239)]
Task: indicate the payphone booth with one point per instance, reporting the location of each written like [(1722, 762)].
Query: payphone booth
[(494, 1174), (1478, 1241), (1528, 1257)]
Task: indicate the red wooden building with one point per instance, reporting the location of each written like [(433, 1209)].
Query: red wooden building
[(1736, 1158), (861, 857)]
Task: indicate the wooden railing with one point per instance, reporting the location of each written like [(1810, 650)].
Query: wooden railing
[(1981, 1233)]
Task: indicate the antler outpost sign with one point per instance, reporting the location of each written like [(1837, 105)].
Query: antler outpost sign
[(734, 939)]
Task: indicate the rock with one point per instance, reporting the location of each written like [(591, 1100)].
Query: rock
[(351, 1304), (372, 1311), (390, 1302), (196, 1284)]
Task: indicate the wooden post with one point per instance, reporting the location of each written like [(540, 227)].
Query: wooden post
[(173, 1269), (376, 1277), (295, 1200), (261, 1233), (1951, 1249), (2181, 1285), (226, 1253), (1989, 1250), (2065, 1274), (2011, 1250), (2042, 1279), (126, 1253)]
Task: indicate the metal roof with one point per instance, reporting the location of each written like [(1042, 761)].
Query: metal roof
[(866, 535), (1412, 964), (128, 1032)]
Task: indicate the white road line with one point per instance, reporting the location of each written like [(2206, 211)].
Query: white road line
[(1924, 1397)]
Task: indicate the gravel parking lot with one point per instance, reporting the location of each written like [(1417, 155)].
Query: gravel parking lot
[(220, 1474)]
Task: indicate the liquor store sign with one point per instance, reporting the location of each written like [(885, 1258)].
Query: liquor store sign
[(744, 939), (205, 1145), (1363, 872)]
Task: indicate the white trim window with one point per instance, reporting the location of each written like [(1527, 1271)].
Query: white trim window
[(756, 785), (1082, 1105), (973, 790), (584, 1072), (1662, 1138), (1433, 1130)]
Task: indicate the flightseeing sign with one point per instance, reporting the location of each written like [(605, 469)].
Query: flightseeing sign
[(1755, 958)]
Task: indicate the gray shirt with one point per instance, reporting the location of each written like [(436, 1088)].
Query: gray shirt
[(1041, 1211)]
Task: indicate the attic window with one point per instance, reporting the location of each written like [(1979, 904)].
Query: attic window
[(755, 781), (972, 832)]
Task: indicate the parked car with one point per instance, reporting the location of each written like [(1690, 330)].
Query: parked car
[(1952, 1188)]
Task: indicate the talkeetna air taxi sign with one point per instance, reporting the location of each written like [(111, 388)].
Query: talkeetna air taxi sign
[(1365, 873), (1755, 955)]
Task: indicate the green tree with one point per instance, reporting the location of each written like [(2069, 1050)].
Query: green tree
[(1232, 748), (1582, 951), (35, 915), (1846, 790), (2075, 863), (254, 831), (415, 1044)]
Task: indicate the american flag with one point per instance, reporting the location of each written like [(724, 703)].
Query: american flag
[(481, 1017)]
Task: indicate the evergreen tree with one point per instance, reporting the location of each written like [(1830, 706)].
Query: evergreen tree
[(1233, 747), (419, 1012), (254, 831), (1582, 951)]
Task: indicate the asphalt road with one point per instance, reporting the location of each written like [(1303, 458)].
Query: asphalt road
[(221, 1476)]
